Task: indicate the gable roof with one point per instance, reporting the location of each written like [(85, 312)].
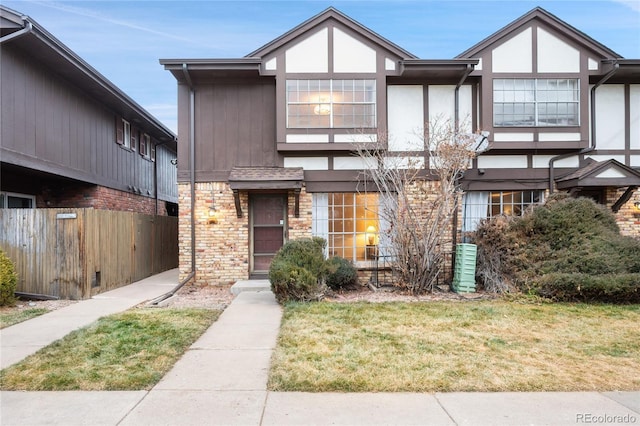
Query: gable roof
[(26, 34), (609, 173), (556, 23), (328, 14)]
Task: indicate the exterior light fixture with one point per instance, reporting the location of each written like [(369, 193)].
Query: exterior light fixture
[(637, 205), (212, 216)]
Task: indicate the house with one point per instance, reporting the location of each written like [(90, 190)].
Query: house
[(70, 137), (268, 140)]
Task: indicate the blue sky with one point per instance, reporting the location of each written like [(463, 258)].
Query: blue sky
[(124, 40)]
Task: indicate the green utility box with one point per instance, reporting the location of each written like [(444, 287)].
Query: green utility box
[(464, 273)]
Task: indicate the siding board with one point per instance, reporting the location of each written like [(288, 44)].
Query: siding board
[(63, 257)]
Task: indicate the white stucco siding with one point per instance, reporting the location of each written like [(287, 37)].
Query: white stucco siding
[(634, 126), (404, 163), (351, 55), (542, 162), (502, 162), (465, 109), (513, 137), (307, 138), (307, 163), (405, 117), (353, 163), (310, 55), (514, 55), (610, 116), (355, 138), (554, 55), (559, 137)]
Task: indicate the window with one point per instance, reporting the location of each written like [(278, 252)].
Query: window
[(145, 143), (126, 141), (480, 205), (536, 102), (134, 138), (10, 200), (349, 222), (331, 104)]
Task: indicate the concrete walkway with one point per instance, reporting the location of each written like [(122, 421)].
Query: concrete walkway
[(222, 380)]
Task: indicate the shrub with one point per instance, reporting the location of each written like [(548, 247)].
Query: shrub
[(566, 249), (298, 270), (8, 280), (618, 288), (342, 273)]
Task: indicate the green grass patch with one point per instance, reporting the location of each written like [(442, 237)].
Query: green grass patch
[(127, 351), (493, 346), (11, 317)]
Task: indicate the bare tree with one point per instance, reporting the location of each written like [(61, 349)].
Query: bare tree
[(418, 200)]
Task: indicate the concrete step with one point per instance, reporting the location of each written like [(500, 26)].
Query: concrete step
[(250, 285)]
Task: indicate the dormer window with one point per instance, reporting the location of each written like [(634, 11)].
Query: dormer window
[(541, 102), (344, 104)]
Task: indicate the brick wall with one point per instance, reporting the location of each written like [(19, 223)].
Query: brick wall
[(628, 217), (222, 248), (98, 197)]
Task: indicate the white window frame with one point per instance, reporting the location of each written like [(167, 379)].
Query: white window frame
[(126, 134), (476, 201), (326, 97), (4, 199), (532, 97)]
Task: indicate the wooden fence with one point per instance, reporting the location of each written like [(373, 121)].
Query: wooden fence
[(77, 253)]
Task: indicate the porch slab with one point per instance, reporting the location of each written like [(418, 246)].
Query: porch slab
[(250, 285)]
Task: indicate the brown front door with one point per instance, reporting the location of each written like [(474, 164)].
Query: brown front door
[(268, 225)]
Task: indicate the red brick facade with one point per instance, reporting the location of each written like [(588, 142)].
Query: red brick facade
[(99, 197)]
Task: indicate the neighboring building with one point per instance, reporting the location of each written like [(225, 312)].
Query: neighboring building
[(69, 137), (267, 141)]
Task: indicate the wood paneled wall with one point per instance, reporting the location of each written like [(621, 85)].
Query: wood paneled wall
[(77, 253)]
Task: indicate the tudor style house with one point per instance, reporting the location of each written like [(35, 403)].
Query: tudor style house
[(267, 141), (69, 137)]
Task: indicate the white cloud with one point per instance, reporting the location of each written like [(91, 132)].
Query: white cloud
[(632, 4)]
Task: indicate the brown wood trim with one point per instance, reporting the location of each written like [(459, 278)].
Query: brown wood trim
[(236, 199), (296, 208)]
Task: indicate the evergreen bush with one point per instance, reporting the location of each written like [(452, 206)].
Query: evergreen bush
[(298, 270), (342, 274), (8, 280), (566, 249)]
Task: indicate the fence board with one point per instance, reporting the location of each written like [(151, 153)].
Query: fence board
[(95, 251)]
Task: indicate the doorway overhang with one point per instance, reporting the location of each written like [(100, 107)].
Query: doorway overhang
[(266, 178), (602, 174)]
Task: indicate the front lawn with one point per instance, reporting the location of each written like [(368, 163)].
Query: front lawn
[(494, 346), (9, 317), (128, 351)]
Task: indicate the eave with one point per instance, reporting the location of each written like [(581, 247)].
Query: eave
[(202, 69), (62, 61), (436, 69)]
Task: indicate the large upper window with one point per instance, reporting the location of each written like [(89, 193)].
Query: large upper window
[(331, 104), (536, 102)]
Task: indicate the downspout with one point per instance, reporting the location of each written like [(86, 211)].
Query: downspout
[(26, 30), (192, 182), (592, 112), (456, 112)]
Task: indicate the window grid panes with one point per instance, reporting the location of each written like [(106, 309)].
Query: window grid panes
[(536, 102), (350, 215), (331, 103)]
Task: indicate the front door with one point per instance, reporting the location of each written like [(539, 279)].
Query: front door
[(268, 227)]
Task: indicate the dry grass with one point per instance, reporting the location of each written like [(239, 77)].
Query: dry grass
[(9, 317), (127, 351), (454, 346)]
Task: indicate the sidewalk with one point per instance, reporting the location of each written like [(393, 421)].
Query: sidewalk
[(222, 379)]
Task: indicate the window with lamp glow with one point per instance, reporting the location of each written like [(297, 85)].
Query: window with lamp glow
[(331, 104)]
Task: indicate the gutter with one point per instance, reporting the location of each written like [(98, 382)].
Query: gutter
[(592, 112), (26, 30), (454, 219), (192, 182)]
